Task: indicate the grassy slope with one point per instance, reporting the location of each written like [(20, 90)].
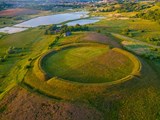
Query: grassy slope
[(117, 101), (151, 28), (138, 99), (70, 61), (91, 60), (29, 41), (113, 23)]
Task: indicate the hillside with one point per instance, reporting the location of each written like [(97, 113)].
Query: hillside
[(103, 64)]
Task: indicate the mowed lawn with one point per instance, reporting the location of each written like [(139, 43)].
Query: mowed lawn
[(88, 64)]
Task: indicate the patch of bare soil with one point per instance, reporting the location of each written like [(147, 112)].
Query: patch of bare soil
[(97, 37), (17, 12), (20, 104)]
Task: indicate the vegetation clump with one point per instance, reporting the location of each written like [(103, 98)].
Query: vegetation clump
[(13, 50), (4, 5), (54, 42), (62, 31), (127, 32), (153, 15), (28, 66), (3, 58), (54, 29), (124, 7)]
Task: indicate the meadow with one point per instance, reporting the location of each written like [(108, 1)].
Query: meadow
[(79, 64), (113, 68)]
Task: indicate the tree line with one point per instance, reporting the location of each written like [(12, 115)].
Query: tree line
[(126, 7), (153, 15), (4, 5), (54, 29)]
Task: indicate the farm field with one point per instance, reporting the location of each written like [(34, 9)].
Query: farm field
[(109, 71), (17, 12)]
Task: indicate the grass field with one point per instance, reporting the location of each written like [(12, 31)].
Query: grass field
[(27, 42), (113, 102), (89, 64), (134, 98), (138, 28), (116, 61)]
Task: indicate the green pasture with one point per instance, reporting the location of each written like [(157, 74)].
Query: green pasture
[(31, 43), (134, 99), (140, 29), (88, 64)]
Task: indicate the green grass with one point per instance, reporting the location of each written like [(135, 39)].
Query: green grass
[(33, 42), (136, 99), (19, 40), (69, 61), (116, 61), (88, 64), (139, 47), (151, 29)]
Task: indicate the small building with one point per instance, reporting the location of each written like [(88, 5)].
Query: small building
[(57, 31), (67, 34)]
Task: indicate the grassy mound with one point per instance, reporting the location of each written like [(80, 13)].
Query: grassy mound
[(87, 64), (77, 64)]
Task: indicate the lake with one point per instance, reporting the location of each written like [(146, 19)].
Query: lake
[(84, 21), (52, 19)]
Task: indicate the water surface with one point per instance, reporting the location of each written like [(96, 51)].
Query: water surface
[(52, 19)]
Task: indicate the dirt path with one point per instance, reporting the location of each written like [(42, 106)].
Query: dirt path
[(134, 40)]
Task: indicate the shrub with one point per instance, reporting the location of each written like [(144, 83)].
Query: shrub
[(2, 60), (158, 43), (98, 31), (130, 35), (153, 15), (5, 57), (11, 50), (54, 42), (126, 30), (28, 66), (30, 59), (22, 54), (148, 39), (2, 76)]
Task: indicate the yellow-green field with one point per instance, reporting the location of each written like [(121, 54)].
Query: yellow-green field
[(103, 69), (89, 64)]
